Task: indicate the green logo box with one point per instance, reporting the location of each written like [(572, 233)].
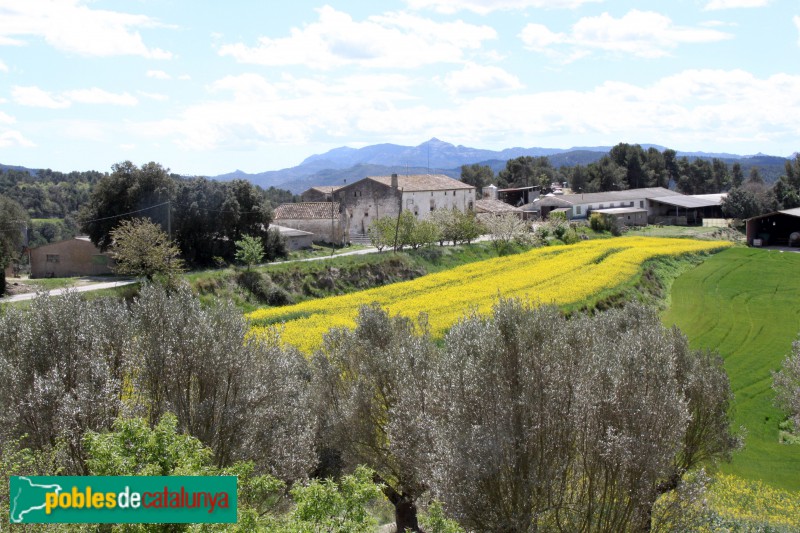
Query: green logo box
[(122, 499)]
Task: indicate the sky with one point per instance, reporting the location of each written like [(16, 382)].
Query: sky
[(206, 87)]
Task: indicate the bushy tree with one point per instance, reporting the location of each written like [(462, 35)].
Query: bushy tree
[(507, 229), (141, 248), (244, 397), (249, 251), (373, 388), (477, 175), (786, 383), (63, 362), (543, 422), (456, 225)]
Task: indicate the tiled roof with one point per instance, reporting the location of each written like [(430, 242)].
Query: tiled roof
[(325, 189), (489, 205), (307, 210), (422, 182)]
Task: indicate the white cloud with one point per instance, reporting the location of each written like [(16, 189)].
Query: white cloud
[(158, 97), (714, 5), (11, 138), (796, 21), (99, 96), (72, 26), (685, 109), (35, 97), (392, 40), (483, 7), (639, 33), (158, 74), (474, 79)]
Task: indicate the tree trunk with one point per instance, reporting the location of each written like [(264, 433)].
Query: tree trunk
[(405, 510), (2, 281)]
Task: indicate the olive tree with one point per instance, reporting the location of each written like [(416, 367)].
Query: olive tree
[(242, 396), (548, 423), (786, 383), (62, 361), (373, 388)]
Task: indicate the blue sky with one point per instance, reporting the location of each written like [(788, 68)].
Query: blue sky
[(208, 87)]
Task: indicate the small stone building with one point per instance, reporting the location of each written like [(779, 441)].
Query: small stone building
[(319, 193), (68, 258), (296, 239), (323, 219)]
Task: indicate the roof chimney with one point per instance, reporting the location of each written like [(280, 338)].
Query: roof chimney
[(394, 181)]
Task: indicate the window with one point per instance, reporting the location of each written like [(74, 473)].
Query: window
[(641, 203), (433, 204), (51, 258), (431, 193), (578, 210), (454, 193)]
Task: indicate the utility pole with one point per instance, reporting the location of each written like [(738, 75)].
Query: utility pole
[(397, 225)]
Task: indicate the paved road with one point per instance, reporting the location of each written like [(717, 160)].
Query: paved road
[(112, 284), (56, 292)]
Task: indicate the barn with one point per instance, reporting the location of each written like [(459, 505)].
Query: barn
[(780, 228)]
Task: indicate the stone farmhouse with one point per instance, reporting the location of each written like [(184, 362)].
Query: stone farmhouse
[(351, 209)]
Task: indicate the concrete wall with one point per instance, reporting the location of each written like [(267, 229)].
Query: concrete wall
[(299, 242), (73, 257)]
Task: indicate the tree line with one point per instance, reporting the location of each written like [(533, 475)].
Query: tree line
[(521, 420), (629, 166)]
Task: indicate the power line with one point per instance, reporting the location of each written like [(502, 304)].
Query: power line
[(124, 214)]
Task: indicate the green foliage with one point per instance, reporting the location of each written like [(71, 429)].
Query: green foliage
[(132, 448), (141, 248), (477, 175), (406, 230), (601, 222), (435, 520), (325, 505), (526, 171), (249, 250)]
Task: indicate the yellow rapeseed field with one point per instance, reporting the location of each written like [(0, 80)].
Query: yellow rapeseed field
[(561, 275)]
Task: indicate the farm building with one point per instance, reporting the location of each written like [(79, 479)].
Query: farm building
[(662, 206), (781, 228), (319, 193), (71, 257), (374, 197), (629, 216), (296, 239), (322, 219), (493, 208)]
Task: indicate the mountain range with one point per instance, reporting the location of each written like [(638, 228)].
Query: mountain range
[(345, 165)]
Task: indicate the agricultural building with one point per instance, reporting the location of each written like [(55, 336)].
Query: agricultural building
[(494, 208), (781, 228), (71, 257), (322, 219), (661, 205), (629, 216), (295, 239)]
